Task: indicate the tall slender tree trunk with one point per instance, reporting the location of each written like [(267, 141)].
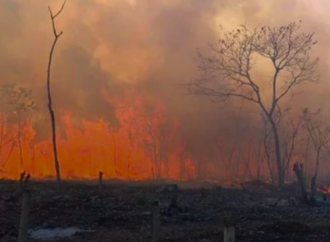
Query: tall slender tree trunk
[(49, 95), (279, 164), (52, 115), (53, 126)]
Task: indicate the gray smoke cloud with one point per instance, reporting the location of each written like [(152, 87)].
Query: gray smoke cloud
[(147, 45)]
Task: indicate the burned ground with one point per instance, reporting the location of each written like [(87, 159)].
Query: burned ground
[(122, 212)]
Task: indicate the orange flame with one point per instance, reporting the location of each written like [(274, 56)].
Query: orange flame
[(134, 151)]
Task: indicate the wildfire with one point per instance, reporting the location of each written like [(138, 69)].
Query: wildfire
[(324, 190), (114, 51), (144, 146)]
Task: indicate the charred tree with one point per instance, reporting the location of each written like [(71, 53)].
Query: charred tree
[(319, 133), (298, 169), (227, 71), (57, 35), (291, 128)]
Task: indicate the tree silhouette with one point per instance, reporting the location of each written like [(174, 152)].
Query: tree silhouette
[(57, 35), (227, 71)]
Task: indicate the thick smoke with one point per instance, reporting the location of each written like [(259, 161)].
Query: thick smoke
[(148, 45)]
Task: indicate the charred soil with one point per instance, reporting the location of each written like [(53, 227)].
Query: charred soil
[(122, 212)]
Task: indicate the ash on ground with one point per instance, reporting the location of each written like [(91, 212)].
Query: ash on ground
[(122, 212)]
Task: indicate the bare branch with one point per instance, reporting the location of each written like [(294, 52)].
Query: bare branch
[(226, 72), (61, 9), (53, 17)]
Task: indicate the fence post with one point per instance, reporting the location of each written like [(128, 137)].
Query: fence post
[(100, 181), (20, 182), (23, 226), (229, 234), (155, 222), (23, 180)]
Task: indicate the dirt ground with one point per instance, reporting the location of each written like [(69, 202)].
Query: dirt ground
[(122, 212)]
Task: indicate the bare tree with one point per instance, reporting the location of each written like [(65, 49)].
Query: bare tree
[(155, 143), (19, 103), (150, 146), (16, 102), (57, 35), (154, 129), (290, 127), (291, 140), (227, 72), (319, 133), (7, 142)]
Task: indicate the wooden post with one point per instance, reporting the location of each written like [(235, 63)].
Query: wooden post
[(27, 178), (100, 181), (229, 234), (23, 226), (20, 182), (155, 222)]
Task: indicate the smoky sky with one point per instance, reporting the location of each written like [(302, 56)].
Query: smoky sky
[(148, 45)]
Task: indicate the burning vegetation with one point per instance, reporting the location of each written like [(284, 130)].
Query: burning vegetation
[(114, 106), (137, 131)]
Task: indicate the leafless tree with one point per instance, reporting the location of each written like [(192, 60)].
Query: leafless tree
[(16, 102), (19, 104), (228, 71), (150, 145), (267, 148), (155, 139), (290, 127), (319, 133), (57, 35)]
